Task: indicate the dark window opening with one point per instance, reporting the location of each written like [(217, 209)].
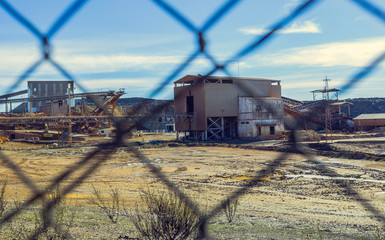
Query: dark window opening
[(169, 128), (230, 127), (259, 131), (212, 80), (272, 130), (227, 81), (190, 104)]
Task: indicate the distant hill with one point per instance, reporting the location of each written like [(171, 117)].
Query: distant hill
[(129, 106), (360, 105), (366, 105), (137, 100)]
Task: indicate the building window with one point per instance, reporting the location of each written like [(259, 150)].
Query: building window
[(258, 108), (209, 80), (272, 130), (227, 81), (190, 104)]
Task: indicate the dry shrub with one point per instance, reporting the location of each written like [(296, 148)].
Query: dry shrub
[(112, 206), (32, 224), (230, 209), (3, 201), (308, 135), (165, 216)]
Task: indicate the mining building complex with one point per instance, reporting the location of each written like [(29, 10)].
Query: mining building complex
[(217, 107)]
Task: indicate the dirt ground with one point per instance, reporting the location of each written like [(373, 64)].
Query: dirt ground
[(294, 197)]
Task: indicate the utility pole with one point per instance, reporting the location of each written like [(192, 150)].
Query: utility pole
[(69, 114), (30, 99), (326, 88)]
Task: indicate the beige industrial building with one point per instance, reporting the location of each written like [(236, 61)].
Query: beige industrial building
[(369, 121), (54, 108), (217, 107)]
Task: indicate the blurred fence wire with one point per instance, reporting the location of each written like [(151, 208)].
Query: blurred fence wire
[(87, 166)]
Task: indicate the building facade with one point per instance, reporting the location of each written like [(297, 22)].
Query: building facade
[(54, 108), (47, 89), (213, 107), (260, 117), (369, 121)]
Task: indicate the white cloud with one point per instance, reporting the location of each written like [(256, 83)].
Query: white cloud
[(290, 5), (296, 27), (15, 59), (111, 63), (310, 84), (253, 30), (138, 87), (109, 82), (356, 53), (304, 27)]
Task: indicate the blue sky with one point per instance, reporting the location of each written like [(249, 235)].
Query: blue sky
[(134, 44)]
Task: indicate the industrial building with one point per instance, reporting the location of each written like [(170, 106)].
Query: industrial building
[(52, 104), (257, 119), (217, 107), (38, 89), (369, 121), (57, 98)]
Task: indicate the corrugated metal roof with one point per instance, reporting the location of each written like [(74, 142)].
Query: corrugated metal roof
[(370, 116), (262, 98), (189, 78), (326, 90), (341, 103)]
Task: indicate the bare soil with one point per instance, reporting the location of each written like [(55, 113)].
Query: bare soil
[(293, 196)]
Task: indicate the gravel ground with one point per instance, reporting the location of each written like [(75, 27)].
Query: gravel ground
[(295, 197)]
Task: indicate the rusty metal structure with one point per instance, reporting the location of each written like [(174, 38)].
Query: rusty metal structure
[(327, 112), (51, 102), (215, 107), (105, 98)]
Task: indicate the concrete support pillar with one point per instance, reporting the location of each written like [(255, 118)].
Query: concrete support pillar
[(51, 107), (223, 127)]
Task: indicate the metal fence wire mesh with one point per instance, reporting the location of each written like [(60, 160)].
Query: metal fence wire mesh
[(89, 164)]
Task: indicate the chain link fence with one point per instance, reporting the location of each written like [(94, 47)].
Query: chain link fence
[(89, 164)]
